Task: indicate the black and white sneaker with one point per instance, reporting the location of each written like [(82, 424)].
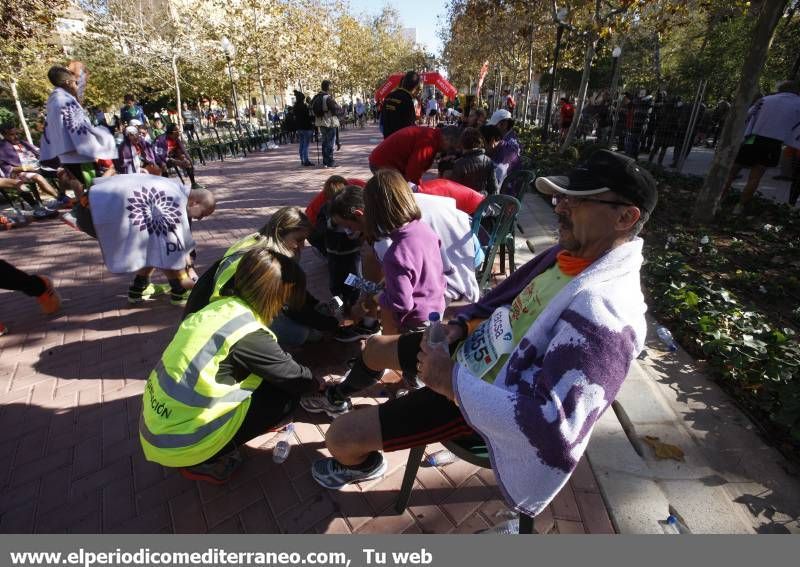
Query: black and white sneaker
[(332, 474), (353, 333), (321, 403)]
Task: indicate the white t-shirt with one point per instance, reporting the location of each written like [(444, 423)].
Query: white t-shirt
[(454, 228), (433, 105), (776, 116)]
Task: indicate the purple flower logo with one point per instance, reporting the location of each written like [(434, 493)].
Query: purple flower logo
[(74, 119), (152, 210)]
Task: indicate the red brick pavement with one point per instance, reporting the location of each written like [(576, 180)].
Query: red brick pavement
[(70, 397)]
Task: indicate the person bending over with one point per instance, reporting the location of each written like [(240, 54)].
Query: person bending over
[(285, 232), (223, 380)]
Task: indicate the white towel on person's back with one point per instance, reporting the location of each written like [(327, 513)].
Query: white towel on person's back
[(141, 221)]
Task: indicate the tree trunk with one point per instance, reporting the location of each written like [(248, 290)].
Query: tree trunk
[(177, 90), (20, 112), (707, 202), (587, 69), (530, 80), (588, 59)]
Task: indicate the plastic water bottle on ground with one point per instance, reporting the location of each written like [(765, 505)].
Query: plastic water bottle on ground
[(281, 450), (437, 335), (673, 526), (441, 458), (666, 338)]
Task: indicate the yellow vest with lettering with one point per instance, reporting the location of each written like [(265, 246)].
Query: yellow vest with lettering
[(187, 416), (230, 261)]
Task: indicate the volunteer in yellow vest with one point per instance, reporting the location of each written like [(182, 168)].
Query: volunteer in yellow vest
[(223, 380), (285, 232)]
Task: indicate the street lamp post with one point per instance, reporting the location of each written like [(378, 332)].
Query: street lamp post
[(561, 15), (230, 52), (615, 53), (258, 62), (493, 106)]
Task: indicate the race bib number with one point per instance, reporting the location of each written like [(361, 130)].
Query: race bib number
[(488, 343)]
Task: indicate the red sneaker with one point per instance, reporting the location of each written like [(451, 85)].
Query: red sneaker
[(218, 471), (3, 329), (49, 301)]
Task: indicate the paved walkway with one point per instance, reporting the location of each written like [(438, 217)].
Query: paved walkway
[(70, 399), (699, 162)]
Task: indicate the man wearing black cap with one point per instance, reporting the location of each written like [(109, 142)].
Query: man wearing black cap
[(533, 364)]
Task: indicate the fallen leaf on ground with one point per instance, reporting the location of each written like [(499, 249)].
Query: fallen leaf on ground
[(664, 450)]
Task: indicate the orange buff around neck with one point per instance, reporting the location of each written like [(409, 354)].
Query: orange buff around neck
[(571, 265)]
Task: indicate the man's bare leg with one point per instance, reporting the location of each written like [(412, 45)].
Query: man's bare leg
[(352, 437), (734, 172), (45, 186), (380, 352), (756, 173)]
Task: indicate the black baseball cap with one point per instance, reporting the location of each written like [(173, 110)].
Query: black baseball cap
[(605, 171)]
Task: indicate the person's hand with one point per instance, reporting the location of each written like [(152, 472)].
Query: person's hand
[(455, 333), (368, 302), (320, 382), (435, 368), (357, 312)]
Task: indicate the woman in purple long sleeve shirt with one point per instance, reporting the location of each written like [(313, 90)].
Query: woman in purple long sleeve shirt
[(412, 267)]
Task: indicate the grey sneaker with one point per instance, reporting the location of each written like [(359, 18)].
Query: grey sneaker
[(330, 473), (319, 403), (356, 332)]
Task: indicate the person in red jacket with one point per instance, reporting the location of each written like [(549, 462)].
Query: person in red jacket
[(567, 113), (411, 150), (467, 199), (333, 185)]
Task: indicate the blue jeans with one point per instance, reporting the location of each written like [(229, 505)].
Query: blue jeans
[(327, 135), (305, 140), (289, 333)]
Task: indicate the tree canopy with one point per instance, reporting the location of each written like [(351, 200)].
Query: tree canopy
[(131, 46)]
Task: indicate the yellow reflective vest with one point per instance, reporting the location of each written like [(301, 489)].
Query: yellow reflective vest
[(187, 417), (230, 261)]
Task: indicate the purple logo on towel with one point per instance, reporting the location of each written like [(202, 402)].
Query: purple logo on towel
[(74, 119), (563, 392), (152, 210)]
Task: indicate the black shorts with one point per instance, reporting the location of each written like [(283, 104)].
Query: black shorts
[(422, 416), (433, 112), (762, 151)]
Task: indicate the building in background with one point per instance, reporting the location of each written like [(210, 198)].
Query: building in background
[(69, 25)]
